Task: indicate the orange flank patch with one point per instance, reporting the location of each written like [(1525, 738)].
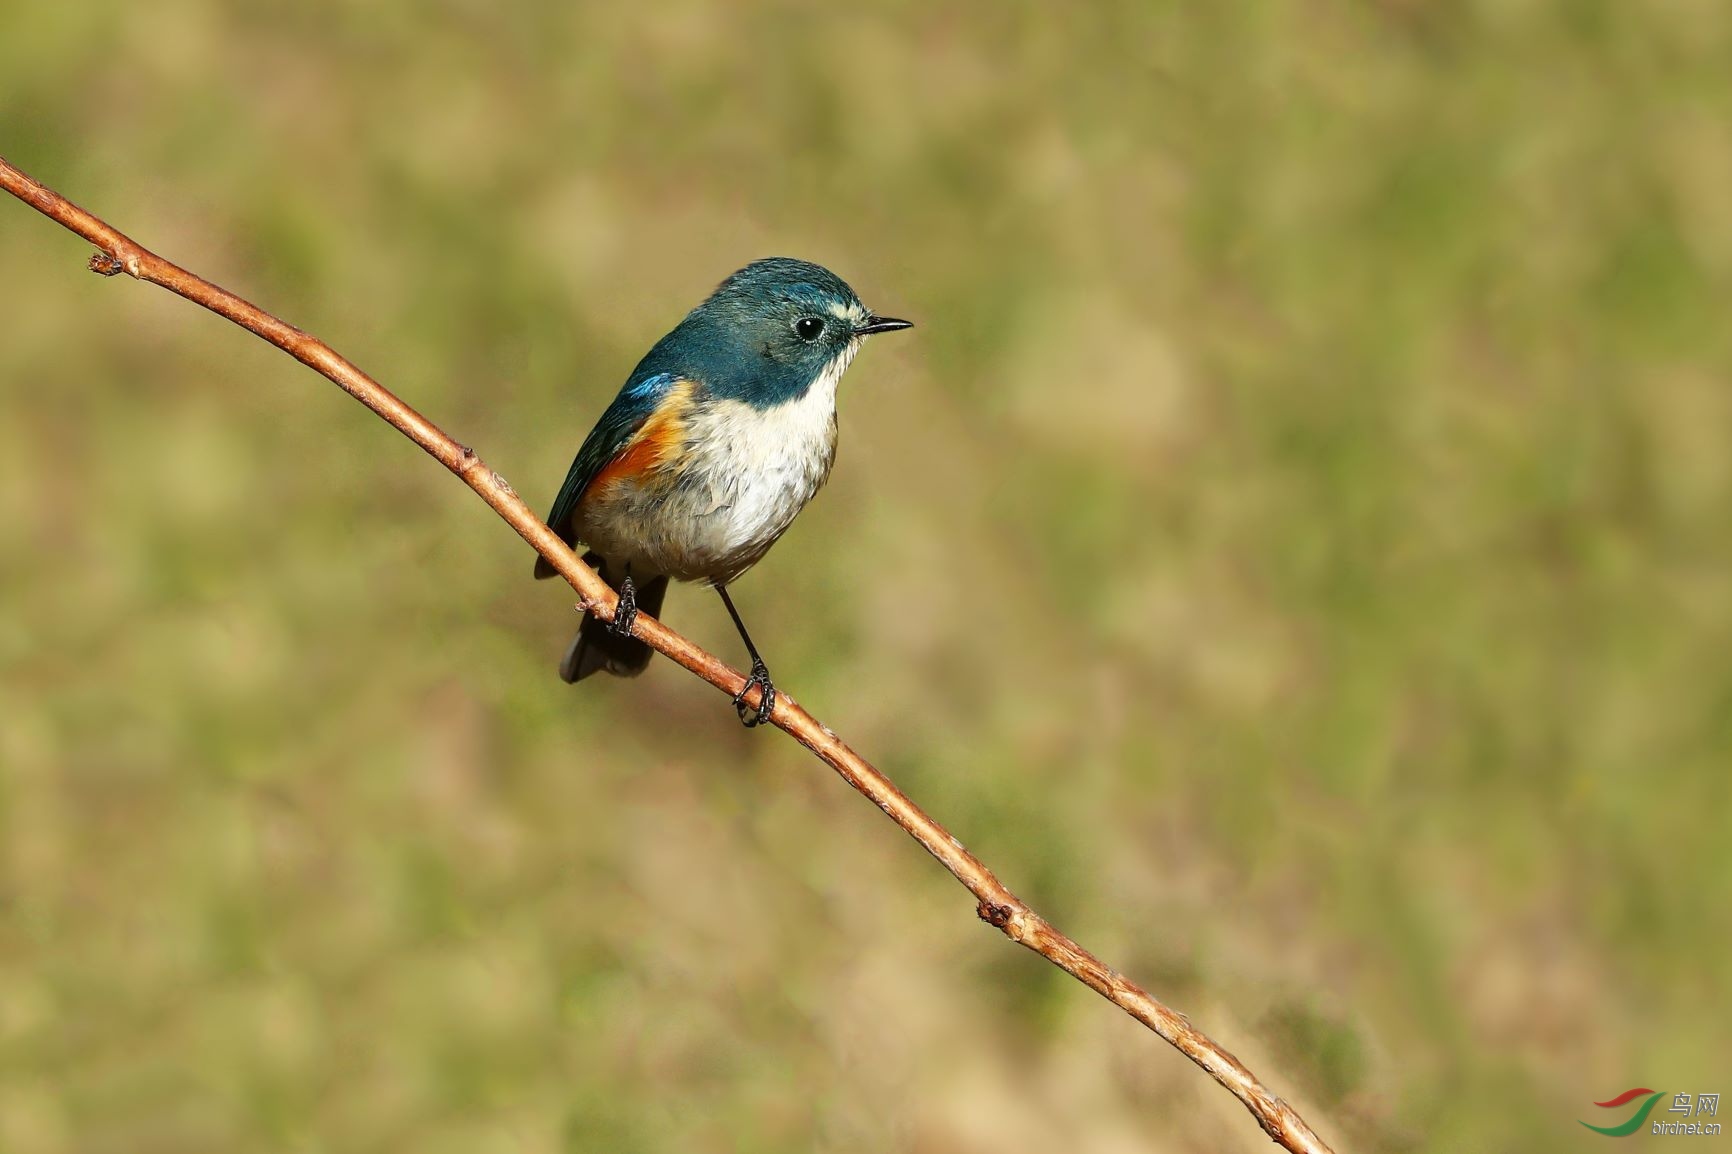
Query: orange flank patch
[(657, 441)]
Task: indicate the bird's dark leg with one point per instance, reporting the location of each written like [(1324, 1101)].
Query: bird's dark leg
[(760, 676), (625, 613)]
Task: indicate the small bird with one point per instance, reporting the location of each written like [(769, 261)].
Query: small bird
[(718, 439)]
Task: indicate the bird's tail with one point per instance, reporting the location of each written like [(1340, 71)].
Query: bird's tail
[(596, 649)]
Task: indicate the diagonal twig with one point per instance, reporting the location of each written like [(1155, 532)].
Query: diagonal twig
[(997, 904)]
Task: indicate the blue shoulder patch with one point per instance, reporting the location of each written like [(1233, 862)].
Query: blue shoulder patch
[(630, 409)]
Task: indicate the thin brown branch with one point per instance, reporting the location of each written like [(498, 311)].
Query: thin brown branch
[(997, 905)]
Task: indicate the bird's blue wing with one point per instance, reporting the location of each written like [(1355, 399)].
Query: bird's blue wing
[(634, 405)]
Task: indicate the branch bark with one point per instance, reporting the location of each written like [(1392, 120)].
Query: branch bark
[(997, 905)]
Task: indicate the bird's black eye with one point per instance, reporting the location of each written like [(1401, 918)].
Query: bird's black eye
[(808, 328)]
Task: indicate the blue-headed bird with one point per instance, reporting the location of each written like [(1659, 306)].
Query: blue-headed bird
[(720, 436)]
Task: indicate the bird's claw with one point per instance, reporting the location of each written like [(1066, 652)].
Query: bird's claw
[(625, 613), (760, 677)]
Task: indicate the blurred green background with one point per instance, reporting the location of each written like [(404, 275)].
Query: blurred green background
[(1293, 550)]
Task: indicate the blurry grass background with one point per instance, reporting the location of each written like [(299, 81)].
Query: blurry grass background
[(1293, 550)]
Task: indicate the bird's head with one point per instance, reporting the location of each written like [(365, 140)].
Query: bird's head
[(773, 328)]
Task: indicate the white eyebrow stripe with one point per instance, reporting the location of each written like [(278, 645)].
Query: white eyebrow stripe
[(848, 312)]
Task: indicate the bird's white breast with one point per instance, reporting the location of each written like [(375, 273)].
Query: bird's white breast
[(761, 466), (744, 475)]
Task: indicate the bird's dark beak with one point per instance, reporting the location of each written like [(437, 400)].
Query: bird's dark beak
[(881, 325)]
